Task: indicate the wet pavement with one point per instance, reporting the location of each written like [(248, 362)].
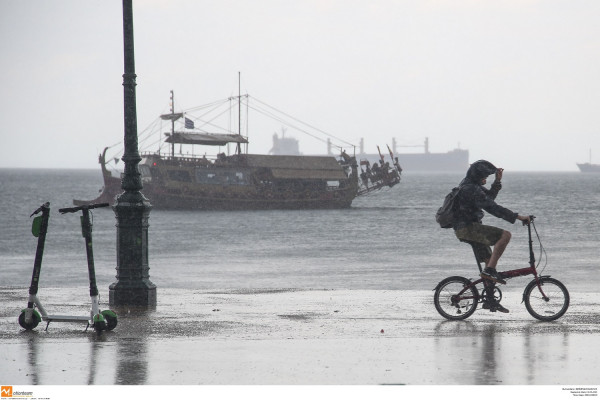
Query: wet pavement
[(366, 337)]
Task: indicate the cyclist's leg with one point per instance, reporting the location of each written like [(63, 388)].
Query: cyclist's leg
[(482, 252), (487, 236), (499, 248), (481, 238)]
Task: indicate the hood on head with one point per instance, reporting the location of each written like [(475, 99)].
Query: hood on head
[(480, 170)]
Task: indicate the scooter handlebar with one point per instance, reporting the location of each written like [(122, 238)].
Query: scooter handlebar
[(86, 207), (45, 205)]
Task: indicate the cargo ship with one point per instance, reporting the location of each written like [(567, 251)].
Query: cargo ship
[(456, 160)]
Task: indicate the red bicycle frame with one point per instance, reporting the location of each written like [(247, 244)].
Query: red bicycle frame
[(531, 270)]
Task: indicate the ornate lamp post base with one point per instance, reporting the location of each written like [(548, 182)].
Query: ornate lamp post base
[(133, 286), (132, 294)]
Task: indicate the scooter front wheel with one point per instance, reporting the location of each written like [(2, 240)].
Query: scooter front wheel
[(111, 319), (35, 320)]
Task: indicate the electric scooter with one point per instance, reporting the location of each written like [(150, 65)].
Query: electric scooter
[(30, 317)]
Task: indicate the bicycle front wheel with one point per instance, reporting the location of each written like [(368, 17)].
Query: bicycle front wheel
[(547, 302), (455, 298)]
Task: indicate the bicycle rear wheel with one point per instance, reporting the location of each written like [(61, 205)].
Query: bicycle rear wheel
[(551, 306), (454, 299)]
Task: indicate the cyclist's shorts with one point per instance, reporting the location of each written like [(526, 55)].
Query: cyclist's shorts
[(481, 237)]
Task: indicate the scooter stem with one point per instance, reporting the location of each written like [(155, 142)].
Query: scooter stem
[(39, 253), (86, 229)]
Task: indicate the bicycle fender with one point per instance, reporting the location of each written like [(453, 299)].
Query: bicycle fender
[(530, 284), (462, 278)]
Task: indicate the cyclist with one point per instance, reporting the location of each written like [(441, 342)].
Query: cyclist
[(472, 199)]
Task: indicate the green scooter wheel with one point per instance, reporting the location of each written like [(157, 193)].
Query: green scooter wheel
[(34, 321), (111, 319)]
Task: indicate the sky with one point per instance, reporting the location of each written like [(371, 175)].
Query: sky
[(516, 82)]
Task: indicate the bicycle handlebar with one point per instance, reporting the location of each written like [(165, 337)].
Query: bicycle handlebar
[(45, 205), (86, 207)]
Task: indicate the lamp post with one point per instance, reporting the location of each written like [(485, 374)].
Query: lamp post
[(133, 285)]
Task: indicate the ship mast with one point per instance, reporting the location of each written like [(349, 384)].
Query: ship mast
[(172, 117), (172, 124), (239, 150)]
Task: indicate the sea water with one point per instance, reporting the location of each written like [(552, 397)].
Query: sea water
[(387, 240)]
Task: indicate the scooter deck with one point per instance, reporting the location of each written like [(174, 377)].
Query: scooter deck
[(65, 318)]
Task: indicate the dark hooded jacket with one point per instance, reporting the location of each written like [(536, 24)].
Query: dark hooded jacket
[(473, 197)]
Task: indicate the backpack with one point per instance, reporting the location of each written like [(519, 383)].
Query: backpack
[(446, 213)]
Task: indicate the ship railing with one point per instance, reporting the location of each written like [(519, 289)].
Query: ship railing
[(200, 159)]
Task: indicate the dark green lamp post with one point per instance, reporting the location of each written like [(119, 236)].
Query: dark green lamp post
[(133, 286)]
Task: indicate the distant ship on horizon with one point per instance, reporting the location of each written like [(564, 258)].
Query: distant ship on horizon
[(456, 160), (588, 166)]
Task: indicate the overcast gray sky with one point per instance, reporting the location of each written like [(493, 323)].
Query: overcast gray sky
[(515, 82)]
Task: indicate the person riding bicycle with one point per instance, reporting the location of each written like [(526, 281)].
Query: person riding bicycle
[(472, 198)]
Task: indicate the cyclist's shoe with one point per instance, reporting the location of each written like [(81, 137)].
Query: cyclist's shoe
[(493, 307), (492, 275), (498, 307)]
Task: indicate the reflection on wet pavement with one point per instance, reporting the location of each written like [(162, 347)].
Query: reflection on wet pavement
[(303, 337)]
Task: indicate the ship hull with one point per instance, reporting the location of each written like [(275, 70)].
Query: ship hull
[(232, 204), (588, 167), (310, 192), (161, 200)]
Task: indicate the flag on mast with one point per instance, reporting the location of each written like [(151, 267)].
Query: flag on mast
[(189, 124)]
